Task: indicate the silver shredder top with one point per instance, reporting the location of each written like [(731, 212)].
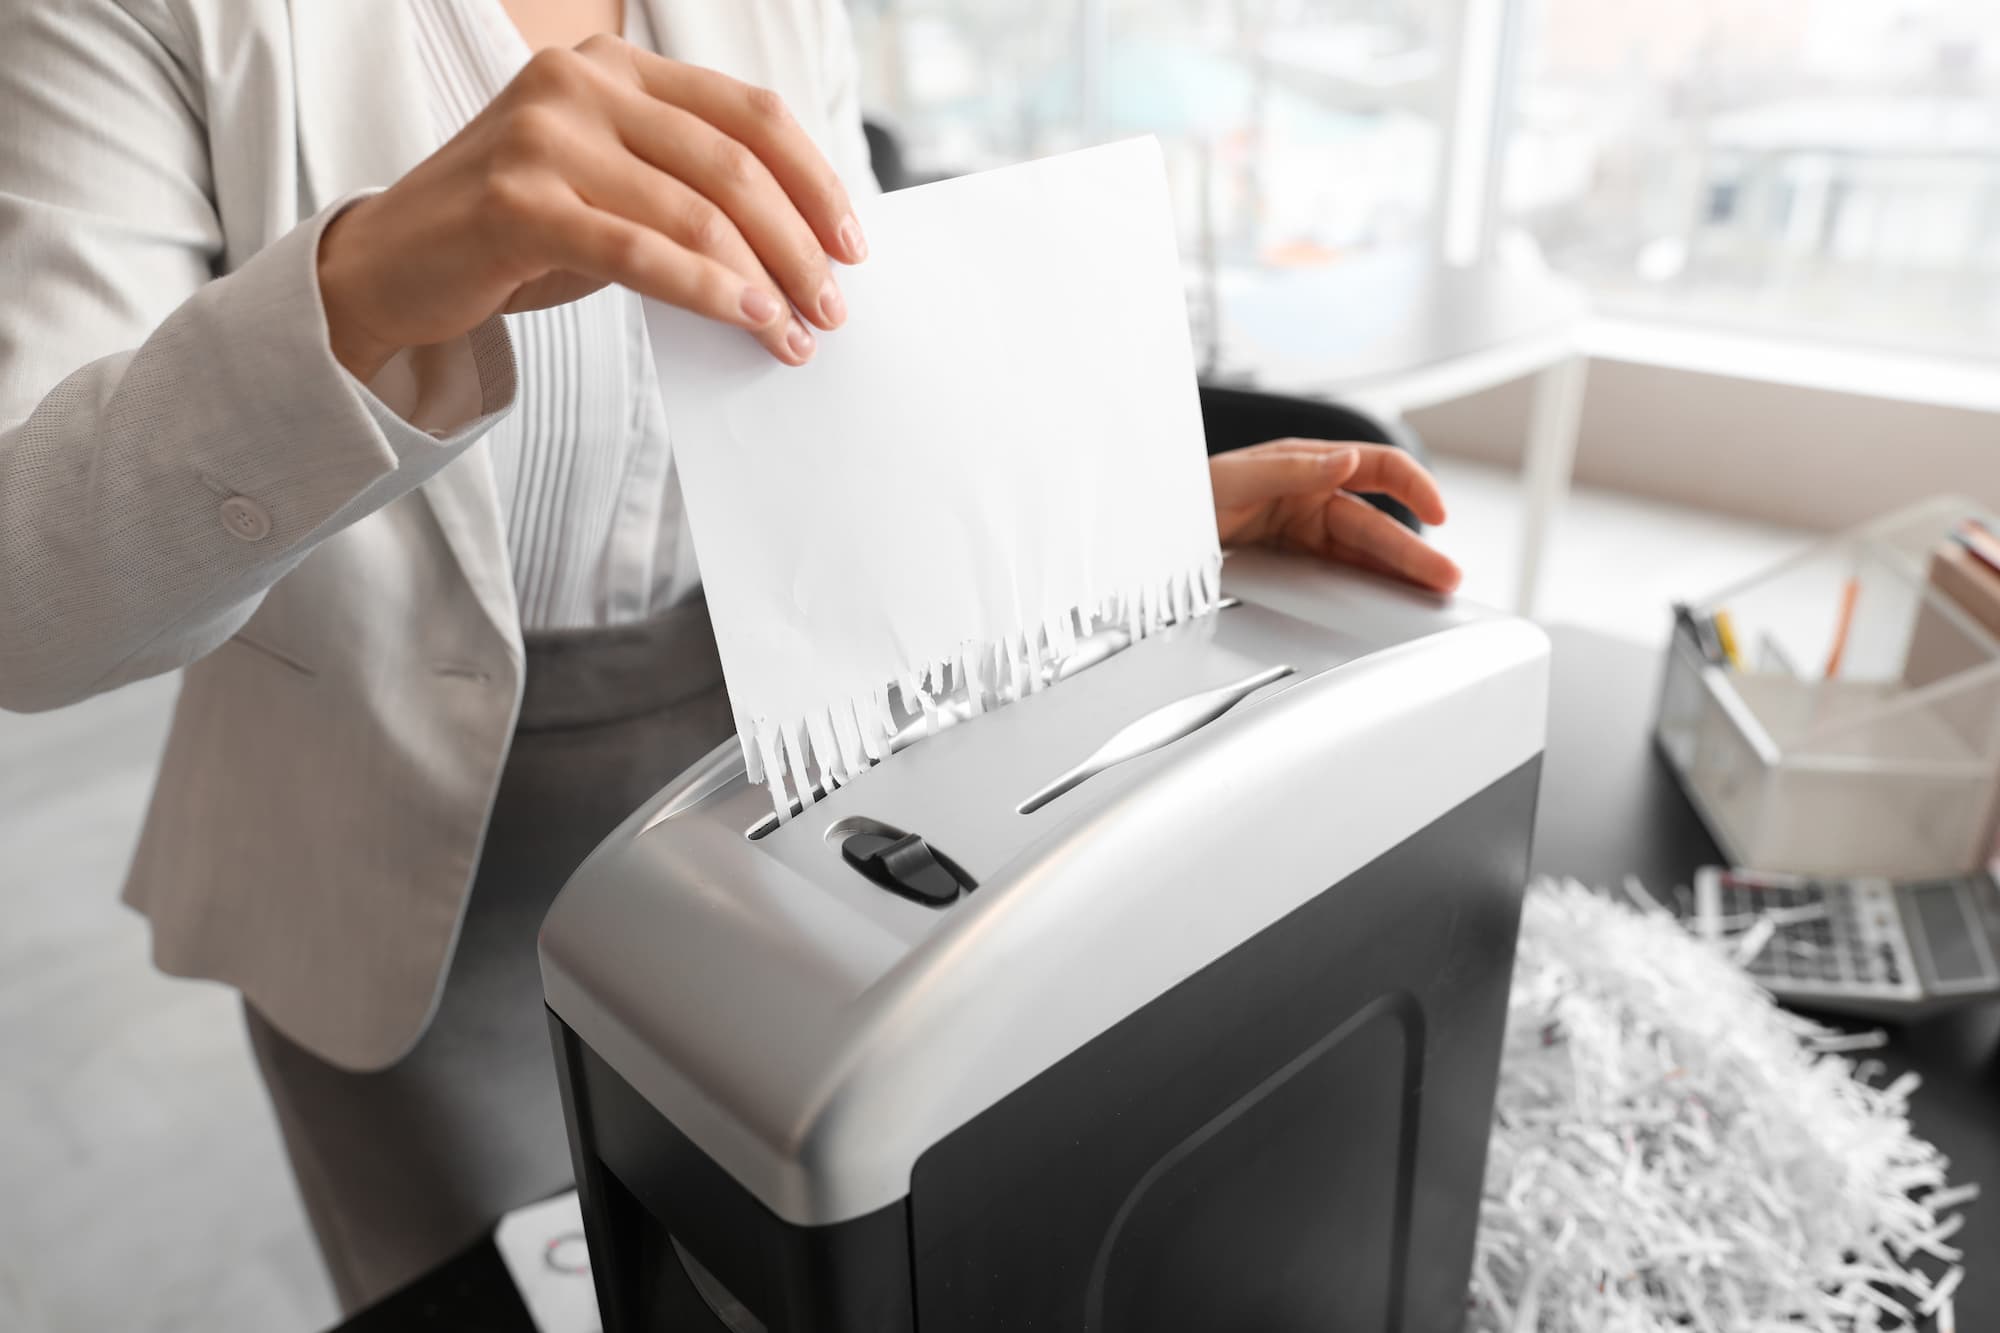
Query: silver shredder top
[(815, 1033)]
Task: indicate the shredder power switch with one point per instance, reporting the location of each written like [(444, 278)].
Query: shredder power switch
[(903, 863)]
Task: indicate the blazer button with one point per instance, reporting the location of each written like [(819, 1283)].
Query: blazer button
[(245, 518)]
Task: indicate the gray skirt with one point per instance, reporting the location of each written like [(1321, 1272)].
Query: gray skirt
[(400, 1169)]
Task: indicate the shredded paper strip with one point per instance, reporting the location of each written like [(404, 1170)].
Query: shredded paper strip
[(801, 760), (1673, 1151)]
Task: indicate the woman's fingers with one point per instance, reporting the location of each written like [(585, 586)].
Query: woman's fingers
[(1301, 494), (1348, 528), (1386, 470), (675, 165), (1377, 469), (758, 119), (617, 184), (750, 201), (1380, 469), (1251, 476), (611, 248)]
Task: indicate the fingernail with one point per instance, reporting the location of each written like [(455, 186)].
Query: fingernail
[(759, 306), (832, 308), (1337, 460), (799, 338), (851, 240)]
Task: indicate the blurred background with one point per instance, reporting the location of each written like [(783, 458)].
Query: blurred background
[(1733, 266), (1784, 214), (1825, 169)]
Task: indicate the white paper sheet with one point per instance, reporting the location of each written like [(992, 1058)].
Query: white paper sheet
[(1002, 445)]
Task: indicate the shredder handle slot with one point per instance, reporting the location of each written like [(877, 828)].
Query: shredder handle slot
[(1161, 727), (906, 864)]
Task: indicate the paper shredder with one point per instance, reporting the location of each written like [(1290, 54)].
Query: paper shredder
[(1167, 998)]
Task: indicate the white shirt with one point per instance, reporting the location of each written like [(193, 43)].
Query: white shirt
[(583, 465)]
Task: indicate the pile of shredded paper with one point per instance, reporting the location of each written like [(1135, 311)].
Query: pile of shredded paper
[(1672, 1151)]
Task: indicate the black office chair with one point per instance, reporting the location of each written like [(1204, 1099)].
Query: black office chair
[(885, 156), (1236, 418)]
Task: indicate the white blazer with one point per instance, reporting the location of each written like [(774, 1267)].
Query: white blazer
[(188, 479)]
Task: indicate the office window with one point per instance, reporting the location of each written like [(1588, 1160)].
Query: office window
[(1820, 167), (1296, 131)]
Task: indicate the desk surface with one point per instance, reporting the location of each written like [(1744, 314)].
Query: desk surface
[(1608, 808)]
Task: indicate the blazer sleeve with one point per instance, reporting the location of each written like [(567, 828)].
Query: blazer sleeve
[(172, 442)]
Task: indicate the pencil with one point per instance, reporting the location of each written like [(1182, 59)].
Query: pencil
[(1725, 633), (1849, 595)]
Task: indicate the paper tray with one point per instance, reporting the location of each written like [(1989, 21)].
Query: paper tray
[(1890, 766)]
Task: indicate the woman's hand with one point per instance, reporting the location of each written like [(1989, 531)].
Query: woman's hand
[(603, 164), (1301, 495)]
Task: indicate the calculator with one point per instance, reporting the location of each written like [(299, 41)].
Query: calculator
[(1874, 948)]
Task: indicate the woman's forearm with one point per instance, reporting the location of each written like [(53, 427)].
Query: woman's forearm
[(151, 497)]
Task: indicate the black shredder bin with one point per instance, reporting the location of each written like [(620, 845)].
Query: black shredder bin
[(1168, 998)]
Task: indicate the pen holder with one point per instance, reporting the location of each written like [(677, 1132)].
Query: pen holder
[(1857, 729)]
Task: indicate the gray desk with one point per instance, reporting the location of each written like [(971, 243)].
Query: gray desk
[(1609, 808), (1395, 331)]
